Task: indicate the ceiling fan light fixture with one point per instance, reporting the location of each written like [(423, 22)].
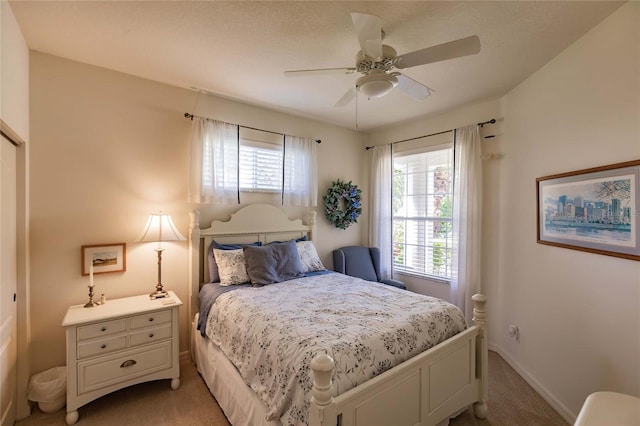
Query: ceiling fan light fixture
[(376, 85)]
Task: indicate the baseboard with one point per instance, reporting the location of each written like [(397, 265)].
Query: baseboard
[(184, 356), (566, 414)]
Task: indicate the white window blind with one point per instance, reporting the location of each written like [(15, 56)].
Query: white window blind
[(422, 210), (261, 159)]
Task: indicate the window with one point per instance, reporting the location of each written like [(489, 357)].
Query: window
[(261, 157), (226, 159), (422, 211)]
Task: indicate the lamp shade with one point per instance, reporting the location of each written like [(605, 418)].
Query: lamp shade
[(160, 228)]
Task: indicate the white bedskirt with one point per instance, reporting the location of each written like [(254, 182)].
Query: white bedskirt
[(239, 403)]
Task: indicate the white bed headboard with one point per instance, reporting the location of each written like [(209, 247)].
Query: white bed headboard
[(254, 222)]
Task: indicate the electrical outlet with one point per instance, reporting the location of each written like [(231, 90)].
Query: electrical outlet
[(514, 332)]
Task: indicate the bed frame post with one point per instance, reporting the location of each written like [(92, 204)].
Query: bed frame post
[(322, 411), (311, 222), (482, 358), (194, 273)]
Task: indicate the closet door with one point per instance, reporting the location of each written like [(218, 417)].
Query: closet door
[(8, 283)]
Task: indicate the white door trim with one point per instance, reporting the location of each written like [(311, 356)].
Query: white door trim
[(23, 258)]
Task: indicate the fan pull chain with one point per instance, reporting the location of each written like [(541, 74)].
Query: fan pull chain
[(356, 107)]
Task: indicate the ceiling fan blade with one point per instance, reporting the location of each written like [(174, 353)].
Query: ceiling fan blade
[(319, 71), (411, 87), (346, 98), (369, 30), (441, 52)]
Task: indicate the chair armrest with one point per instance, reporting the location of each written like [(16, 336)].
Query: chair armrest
[(375, 259), (394, 283), (339, 261)]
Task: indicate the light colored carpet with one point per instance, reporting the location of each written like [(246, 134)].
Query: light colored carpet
[(511, 402)]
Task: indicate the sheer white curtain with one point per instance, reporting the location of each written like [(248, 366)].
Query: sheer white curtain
[(300, 182), (467, 207), (213, 172), (380, 210)]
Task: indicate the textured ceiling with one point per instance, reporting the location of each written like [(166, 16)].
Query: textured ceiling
[(240, 49)]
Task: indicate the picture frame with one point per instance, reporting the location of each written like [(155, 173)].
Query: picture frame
[(106, 258), (594, 210)]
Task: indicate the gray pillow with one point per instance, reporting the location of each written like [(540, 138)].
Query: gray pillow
[(273, 263)]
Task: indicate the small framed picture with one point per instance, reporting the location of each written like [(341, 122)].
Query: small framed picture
[(104, 258), (595, 210)]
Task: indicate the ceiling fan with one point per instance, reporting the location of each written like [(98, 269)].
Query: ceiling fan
[(376, 61)]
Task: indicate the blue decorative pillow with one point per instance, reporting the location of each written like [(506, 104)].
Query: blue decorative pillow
[(272, 263), (214, 276)]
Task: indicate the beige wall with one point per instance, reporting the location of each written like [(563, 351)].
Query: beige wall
[(14, 74), (578, 313), (108, 149)]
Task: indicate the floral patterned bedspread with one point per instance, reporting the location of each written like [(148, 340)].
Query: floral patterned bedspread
[(272, 333)]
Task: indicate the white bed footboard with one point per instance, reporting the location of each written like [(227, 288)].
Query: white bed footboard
[(425, 390)]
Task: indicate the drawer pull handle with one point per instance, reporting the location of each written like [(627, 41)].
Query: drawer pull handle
[(103, 329), (150, 319), (103, 346), (128, 363), (150, 334)]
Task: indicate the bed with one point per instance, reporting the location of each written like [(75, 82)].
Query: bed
[(324, 382)]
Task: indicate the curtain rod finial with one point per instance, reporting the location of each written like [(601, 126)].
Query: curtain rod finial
[(492, 121)]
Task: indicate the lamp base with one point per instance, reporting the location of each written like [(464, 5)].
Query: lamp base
[(158, 294)]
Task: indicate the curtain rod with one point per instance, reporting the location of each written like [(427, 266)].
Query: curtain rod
[(190, 117), (492, 121)]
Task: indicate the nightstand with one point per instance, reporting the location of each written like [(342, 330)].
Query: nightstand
[(118, 344)]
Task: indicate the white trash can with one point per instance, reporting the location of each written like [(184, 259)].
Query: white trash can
[(49, 389)]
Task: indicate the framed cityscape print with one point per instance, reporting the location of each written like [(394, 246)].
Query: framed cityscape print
[(594, 210)]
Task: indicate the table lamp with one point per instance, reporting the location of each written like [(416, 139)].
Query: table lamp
[(159, 228)]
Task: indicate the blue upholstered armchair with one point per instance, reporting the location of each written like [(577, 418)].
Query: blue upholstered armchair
[(361, 262)]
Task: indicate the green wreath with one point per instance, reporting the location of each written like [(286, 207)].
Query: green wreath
[(342, 204)]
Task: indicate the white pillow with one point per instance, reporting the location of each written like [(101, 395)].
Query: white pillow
[(309, 257), (231, 267)]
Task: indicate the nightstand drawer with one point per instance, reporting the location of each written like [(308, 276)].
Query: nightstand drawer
[(101, 329), (101, 346), (150, 335), (152, 318), (107, 371)]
